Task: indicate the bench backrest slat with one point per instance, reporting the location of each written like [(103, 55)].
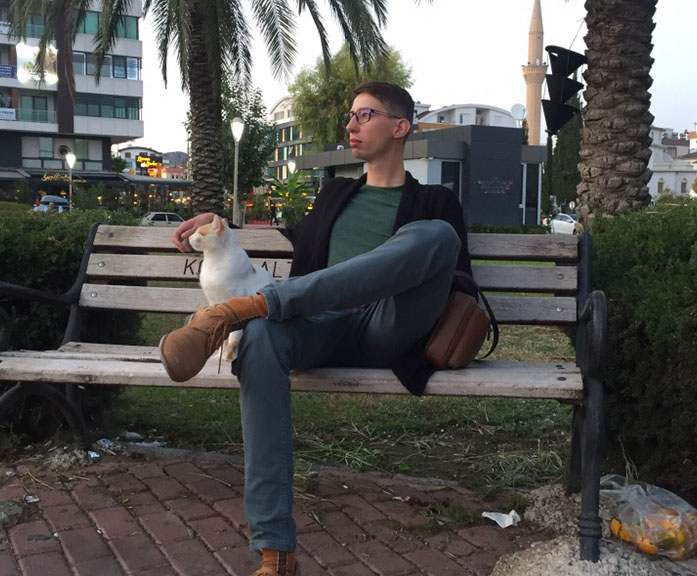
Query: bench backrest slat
[(508, 309), (150, 239), (556, 279), (530, 279)]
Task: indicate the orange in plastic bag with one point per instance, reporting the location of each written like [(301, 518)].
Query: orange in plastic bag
[(655, 520)]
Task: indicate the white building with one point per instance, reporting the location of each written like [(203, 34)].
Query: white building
[(465, 115), (37, 123), (670, 173)]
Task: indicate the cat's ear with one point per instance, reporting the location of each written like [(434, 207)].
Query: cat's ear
[(225, 222), (219, 224)]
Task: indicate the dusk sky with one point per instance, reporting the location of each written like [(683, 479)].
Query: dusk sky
[(459, 52)]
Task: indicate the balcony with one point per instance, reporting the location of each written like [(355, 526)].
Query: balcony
[(28, 115)]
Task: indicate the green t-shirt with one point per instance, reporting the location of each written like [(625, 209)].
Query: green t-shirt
[(365, 223)]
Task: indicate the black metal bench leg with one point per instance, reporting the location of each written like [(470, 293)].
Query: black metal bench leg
[(71, 410), (592, 446), (573, 477)]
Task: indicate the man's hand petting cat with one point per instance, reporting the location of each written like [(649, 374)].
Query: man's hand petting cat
[(180, 237)]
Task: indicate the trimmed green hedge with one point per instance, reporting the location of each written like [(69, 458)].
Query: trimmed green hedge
[(646, 262), (43, 250)]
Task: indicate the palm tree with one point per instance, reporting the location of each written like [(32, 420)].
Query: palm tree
[(615, 141), (212, 41)]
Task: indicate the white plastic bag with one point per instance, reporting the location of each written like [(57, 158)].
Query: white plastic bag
[(655, 520)]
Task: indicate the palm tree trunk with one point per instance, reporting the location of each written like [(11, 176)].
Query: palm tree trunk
[(206, 117), (615, 140)]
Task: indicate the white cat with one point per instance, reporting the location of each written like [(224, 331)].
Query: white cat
[(226, 271)]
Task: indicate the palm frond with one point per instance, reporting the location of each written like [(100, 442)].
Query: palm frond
[(311, 7), (235, 42), (112, 15), (277, 24)]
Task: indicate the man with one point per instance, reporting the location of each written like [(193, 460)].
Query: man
[(373, 265)]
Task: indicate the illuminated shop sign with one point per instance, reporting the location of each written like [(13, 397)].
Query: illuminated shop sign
[(26, 64)]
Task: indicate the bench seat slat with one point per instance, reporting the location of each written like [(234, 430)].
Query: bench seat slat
[(488, 378), (187, 267), (508, 309)]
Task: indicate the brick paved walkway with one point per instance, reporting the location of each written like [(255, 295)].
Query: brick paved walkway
[(164, 516)]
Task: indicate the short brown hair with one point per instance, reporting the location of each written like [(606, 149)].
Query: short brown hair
[(395, 98)]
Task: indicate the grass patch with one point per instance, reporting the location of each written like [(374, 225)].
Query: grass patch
[(491, 445)]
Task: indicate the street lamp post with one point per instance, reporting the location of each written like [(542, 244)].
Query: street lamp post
[(70, 160), (237, 126), (291, 167)]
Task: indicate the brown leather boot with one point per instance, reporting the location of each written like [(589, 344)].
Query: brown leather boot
[(278, 563), (184, 351)]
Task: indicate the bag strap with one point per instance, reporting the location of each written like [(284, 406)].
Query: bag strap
[(494, 323), (490, 312)]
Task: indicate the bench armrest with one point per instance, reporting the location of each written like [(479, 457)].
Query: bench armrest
[(16, 292), (594, 318)]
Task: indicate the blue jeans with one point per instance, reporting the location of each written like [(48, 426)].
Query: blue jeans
[(367, 311)]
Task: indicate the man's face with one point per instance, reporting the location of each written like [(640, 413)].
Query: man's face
[(374, 138)]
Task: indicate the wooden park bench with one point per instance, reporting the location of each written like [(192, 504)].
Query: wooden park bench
[(129, 268)]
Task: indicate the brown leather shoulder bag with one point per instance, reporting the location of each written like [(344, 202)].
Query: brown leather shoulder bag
[(460, 332)]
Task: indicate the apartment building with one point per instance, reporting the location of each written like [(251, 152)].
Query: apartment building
[(38, 121)]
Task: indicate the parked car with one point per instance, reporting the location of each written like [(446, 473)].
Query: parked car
[(563, 224), (51, 203), (161, 219)]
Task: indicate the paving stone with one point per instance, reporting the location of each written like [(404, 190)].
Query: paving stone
[(164, 527), (92, 497), (83, 544), (450, 543), (352, 570), (226, 473), (217, 534), (479, 564), (8, 566), (192, 558), (158, 571), (381, 559), (66, 517), (149, 470), (304, 522), (401, 512), (115, 523), (239, 561), (49, 498), (52, 564), (108, 566), (308, 565), (488, 538), (323, 548), (233, 510), (210, 490), (393, 536), (12, 492), (136, 553), (345, 529), (32, 538), (434, 563), (165, 488), (143, 503), (190, 508), (124, 483), (358, 509), (184, 472)]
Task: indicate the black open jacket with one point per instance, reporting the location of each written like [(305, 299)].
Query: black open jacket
[(311, 237)]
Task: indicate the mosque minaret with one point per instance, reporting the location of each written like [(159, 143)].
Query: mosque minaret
[(534, 73)]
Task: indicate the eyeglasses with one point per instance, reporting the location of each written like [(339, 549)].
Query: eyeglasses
[(363, 115)]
